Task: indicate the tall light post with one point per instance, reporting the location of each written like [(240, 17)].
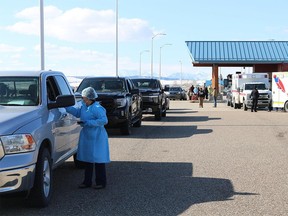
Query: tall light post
[(42, 35), (116, 37), (152, 51), (161, 58), (180, 72), (141, 60)]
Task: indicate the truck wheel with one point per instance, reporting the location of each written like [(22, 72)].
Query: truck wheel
[(164, 113), (286, 106), (78, 164), (41, 192), (126, 128), (244, 106), (158, 115), (138, 123)]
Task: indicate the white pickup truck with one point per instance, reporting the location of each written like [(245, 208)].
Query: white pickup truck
[(36, 132)]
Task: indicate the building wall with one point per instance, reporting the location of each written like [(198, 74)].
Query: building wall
[(265, 68)]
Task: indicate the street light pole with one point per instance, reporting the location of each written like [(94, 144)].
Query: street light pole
[(140, 60), (117, 38), (42, 35), (181, 73), (161, 58), (152, 51)]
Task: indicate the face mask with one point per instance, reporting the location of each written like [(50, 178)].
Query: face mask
[(83, 103)]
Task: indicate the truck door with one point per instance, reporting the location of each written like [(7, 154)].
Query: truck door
[(134, 100), (64, 125), (277, 101)]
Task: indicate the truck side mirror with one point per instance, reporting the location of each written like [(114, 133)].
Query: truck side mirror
[(62, 101)]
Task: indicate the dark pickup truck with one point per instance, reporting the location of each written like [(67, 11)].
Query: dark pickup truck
[(155, 100), (120, 98)]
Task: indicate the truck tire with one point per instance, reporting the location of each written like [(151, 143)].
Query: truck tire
[(138, 123), (126, 127), (164, 113), (158, 115), (286, 106), (245, 108), (41, 192)]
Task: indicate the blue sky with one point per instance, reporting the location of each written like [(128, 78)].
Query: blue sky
[(80, 34)]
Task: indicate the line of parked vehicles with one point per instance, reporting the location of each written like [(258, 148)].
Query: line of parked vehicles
[(37, 134), (238, 95), (126, 99)]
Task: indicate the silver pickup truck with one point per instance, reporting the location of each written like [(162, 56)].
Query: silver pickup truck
[(36, 132)]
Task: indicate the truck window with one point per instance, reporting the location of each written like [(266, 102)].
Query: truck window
[(52, 90), (19, 91), (261, 86), (130, 87), (63, 86), (57, 86)]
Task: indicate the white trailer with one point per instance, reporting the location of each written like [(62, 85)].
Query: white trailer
[(280, 90), (242, 86)]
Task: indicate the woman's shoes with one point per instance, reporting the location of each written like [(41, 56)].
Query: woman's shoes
[(82, 186)]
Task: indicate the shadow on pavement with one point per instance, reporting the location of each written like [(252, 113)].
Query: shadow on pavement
[(161, 132), (134, 188)]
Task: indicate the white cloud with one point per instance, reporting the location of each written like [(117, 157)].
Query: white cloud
[(81, 25), (8, 48), (61, 53)]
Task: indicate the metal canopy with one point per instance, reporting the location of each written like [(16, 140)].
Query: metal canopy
[(233, 53)]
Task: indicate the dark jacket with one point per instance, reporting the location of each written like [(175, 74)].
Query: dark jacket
[(254, 94), (201, 93)]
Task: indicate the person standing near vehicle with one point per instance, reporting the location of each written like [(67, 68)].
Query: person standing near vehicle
[(93, 146), (254, 96), (215, 94), (191, 92), (201, 96), (206, 92)]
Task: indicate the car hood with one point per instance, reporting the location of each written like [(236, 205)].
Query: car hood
[(13, 118)]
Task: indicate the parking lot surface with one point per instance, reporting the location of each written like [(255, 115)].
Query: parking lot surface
[(195, 161)]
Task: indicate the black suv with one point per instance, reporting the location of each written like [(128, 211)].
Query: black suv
[(155, 100), (120, 98)]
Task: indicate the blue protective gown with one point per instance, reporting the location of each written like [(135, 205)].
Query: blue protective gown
[(93, 144)]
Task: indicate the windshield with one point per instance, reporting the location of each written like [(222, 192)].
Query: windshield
[(260, 86), (19, 91), (103, 85), (145, 83)]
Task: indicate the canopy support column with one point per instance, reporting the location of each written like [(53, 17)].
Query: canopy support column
[(215, 77)]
